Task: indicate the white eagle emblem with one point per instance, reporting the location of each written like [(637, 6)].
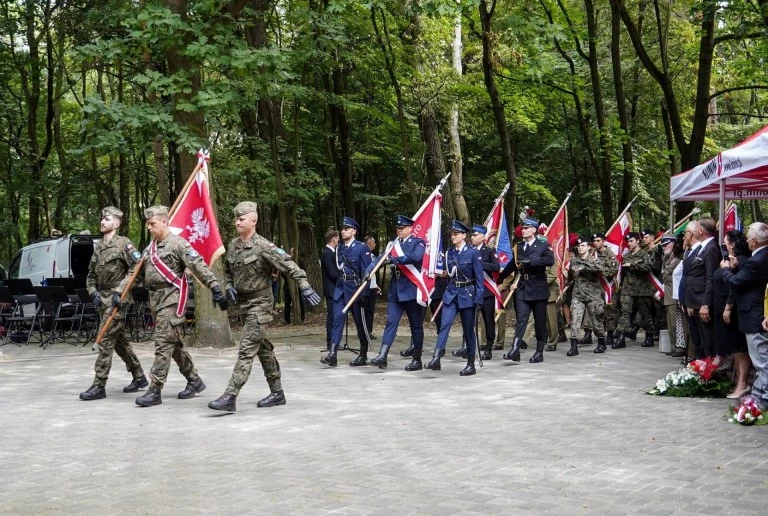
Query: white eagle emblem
[(200, 228), (428, 238)]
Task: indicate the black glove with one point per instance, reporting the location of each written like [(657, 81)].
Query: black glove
[(310, 296), (96, 299), (219, 298), (232, 295), (116, 300)]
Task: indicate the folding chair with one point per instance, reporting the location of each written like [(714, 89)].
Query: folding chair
[(64, 317), (19, 326), (89, 324), (139, 319)]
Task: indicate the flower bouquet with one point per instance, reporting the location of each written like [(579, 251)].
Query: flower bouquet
[(696, 380), (748, 412)]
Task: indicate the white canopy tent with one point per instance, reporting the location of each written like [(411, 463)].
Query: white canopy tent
[(740, 173)]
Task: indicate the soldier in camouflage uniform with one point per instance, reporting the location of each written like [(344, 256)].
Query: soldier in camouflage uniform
[(168, 256), (587, 299), (610, 268), (112, 263), (248, 282), (636, 291)]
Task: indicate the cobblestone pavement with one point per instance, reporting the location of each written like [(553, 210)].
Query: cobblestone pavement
[(571, 435)]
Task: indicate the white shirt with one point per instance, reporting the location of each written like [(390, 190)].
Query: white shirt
[(706, 242), (677, 276)]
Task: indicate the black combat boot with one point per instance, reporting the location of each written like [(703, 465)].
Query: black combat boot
[(136, 384), (587, 340), (648, 342), (330, 359), (561, 337), (194, 385), (469, 369), (380, 360), (514, 353), (601, 347), (632, 333), (408, 352), (415, 364), (272, 400), (461, 352), (434, 364), (538, 356), (523, 344), (94, 392), (574, 348), (360, 360), (488, 351), (226, 402), (620, 343), (150, 398), (608, 339)]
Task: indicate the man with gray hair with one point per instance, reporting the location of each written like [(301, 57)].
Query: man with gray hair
[(749, 284), (698, 285)]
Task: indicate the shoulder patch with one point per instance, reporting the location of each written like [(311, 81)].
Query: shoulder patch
[(136, 255), (279, 250), (129, 246), (271, 244), (192, 253)]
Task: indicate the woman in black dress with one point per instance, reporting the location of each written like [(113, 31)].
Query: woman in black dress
[(728, 339)]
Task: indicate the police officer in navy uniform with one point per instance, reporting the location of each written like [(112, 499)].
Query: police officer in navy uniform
[(401, 297), (532, 258), (490, 265), (462, 296), (352, 259)]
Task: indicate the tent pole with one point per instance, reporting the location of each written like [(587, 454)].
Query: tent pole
[(721, 211), (671, 215)]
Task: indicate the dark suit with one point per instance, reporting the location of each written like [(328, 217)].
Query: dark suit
[(490, 263), (749, 285), (698, 292), (532, 290), (330, 277)]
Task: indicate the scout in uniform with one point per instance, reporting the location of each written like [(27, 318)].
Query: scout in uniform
[(636, 291), (587, 300)]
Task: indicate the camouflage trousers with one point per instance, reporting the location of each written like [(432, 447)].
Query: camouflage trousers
[(639, 304), (115, 340), (255, 343), (593, 310), (611, 316), (168, 345)]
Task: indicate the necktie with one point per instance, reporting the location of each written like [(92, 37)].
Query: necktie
[(525, 247), (401, 241)]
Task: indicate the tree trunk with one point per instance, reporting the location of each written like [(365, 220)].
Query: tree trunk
[(621, 107), (456, 180)]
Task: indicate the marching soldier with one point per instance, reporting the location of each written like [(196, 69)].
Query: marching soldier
[(352, 259), (587, 299), (112, 263), (402, 295), (248, 282), (610, 269), (490, 263), (636, 292), (168, 256), (462, 296), (532, 257)]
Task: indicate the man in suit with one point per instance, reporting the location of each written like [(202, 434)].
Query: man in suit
[(352, 259), (330, 277), (405, 259), (490, 263), (691, 246), (532, 257), (749, 284), (698, 285)]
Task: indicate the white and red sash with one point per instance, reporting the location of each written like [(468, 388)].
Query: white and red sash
[(491, 285), (413, 274), (171, 277)]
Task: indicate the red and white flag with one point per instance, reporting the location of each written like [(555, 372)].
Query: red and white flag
[(658, 285), (615, 240), (498, 237), (732, 220), (557, 236), (426, 225), (195, 220)]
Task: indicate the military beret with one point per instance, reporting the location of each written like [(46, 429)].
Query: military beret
[(111, 211), (458, 227), (582, 239), (598, 234), (647, 231), (244, 208), (632, 234), (402, 221), (477, 228), (154, 211)]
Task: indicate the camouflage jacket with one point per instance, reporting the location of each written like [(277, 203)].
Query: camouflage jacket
[(608, 262), (112, 263), (585, 274), (635, 269), (178, 255), (248, 269)]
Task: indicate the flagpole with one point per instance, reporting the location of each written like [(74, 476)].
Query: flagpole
[(625, 210), (499, 199), (384, 255), (140, 264)]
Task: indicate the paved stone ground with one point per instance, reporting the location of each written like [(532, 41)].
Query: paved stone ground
[(571, 435)]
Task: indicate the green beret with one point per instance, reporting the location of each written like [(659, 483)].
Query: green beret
[(245, 207), (154, 211), (111, 211)]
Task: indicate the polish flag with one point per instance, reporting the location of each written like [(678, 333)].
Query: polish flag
[(615, 240)]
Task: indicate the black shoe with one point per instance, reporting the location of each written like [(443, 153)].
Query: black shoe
[(461, 352), (620, 343), (574, 348), (587, 340), (360, 360), (677, 354), (415, 364), (561, 337), (514, 353), (329, 359), (408, 352), (442, 353), (434, 364), (601, 347), (380, 360), (469, 369), (272, 400), (94, 392), (136, 384), (551, 347), (648, 342), (538, 356), (225, 402), (150, 398), (523, 344), (488, 351), (632, 333), (194, 385)]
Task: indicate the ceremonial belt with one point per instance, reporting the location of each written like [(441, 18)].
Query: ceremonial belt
[(533, 276), (247, 296), (171, 277), (463, 283), (349, 277), (108, 286)]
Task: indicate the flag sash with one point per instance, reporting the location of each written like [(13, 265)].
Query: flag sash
[(171, 277), (413, 274)]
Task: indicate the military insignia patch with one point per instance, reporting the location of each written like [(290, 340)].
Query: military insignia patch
[(136, 255), (129, 246), (192, 253), (279, 250)]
